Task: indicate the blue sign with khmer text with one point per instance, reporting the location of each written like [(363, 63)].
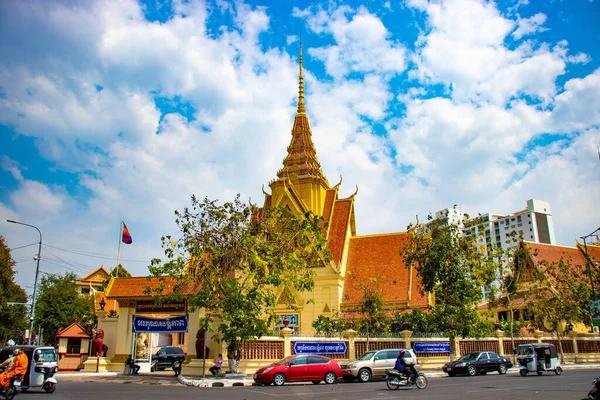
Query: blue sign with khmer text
[(431, 347), (320, 347)]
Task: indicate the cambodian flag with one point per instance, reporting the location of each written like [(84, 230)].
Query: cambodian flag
[(126, 236)]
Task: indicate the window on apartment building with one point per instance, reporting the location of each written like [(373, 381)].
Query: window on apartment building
[(530, 229), (507, 222), (519, 218), (512, 219)]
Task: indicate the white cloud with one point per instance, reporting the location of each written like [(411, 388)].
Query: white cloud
[(528, 26), (363, 43), (578, 106)]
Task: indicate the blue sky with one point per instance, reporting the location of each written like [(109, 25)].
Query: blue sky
[(116, 111)]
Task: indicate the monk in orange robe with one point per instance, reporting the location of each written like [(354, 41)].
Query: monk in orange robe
[(19, 367)]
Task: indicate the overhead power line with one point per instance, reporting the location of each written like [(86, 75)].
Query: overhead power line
[(22, 247), (95, 255)]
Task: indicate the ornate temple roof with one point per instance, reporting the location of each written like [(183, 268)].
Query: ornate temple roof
[(301, 158), (378, 256)]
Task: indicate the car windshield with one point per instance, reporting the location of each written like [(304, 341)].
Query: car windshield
[(367, 356), (525, 350), (47, 355), (469, 357), (283, 361)]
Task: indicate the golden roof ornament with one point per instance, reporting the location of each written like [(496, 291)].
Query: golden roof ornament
[(301, 109)]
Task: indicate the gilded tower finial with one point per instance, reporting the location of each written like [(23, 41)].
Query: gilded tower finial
[(301, 109)]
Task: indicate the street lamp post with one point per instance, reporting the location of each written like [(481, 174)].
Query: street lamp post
[(587, 257), (37, 272)]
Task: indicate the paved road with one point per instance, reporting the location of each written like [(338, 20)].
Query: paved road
[(570, 385)]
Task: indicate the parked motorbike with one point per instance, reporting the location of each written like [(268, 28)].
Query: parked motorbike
[(594, 393), (395, 379)]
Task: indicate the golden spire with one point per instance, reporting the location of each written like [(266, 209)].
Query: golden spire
[(301, 109)]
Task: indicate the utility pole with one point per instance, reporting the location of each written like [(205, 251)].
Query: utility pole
[(37, 272)]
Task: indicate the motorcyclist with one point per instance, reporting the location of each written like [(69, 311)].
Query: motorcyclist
[(402, 366), (19, 367), (400, 362)]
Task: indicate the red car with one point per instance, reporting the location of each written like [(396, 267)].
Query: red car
[(300, 367)]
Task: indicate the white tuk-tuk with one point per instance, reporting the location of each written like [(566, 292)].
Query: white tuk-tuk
[(538, 357)]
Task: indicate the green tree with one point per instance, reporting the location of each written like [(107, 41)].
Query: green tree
[(13, 318), (370, 307), (559, 295), (512, 272), (118, 271), (330, 326), (452, 266), (237, 257), (59, 305)]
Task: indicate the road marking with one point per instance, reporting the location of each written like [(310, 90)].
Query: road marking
[(268, 394)]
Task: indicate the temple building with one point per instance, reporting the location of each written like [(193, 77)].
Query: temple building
[(301, 186)]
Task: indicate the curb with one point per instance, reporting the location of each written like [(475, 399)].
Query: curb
[(67, 374), (214, 382)]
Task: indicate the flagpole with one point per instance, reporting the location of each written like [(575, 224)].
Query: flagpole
[(118, 258), (119, 251)]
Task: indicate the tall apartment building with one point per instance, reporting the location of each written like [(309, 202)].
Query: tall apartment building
[(534, 224)]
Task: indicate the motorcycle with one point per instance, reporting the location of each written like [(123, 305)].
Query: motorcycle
[(394, 379), (13, 388), (594, 393)]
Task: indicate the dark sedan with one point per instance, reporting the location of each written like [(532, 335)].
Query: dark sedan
[(478, 363)]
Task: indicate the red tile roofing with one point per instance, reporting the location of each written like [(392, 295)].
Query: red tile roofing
[(134, 287), (378, 256), (74, 331), (338, 229)]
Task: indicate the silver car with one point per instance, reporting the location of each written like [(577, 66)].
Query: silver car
[(374, 363)]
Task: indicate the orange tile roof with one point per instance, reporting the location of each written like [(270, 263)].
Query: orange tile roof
[(378, 256), (74, 331), (553, 253), (134, 287), (338, 228), (328, 206)]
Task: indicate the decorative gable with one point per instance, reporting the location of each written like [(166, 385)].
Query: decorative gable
[(74, 331)]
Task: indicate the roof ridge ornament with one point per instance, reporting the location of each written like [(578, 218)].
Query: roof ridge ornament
[(301, 108)]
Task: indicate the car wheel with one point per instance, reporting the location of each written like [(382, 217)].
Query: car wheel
[(472, 370), (348, 379), (364, 375), (523, 372), (330, 378), (502, 369), (316, 382), (558, 371), (279, 379)]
